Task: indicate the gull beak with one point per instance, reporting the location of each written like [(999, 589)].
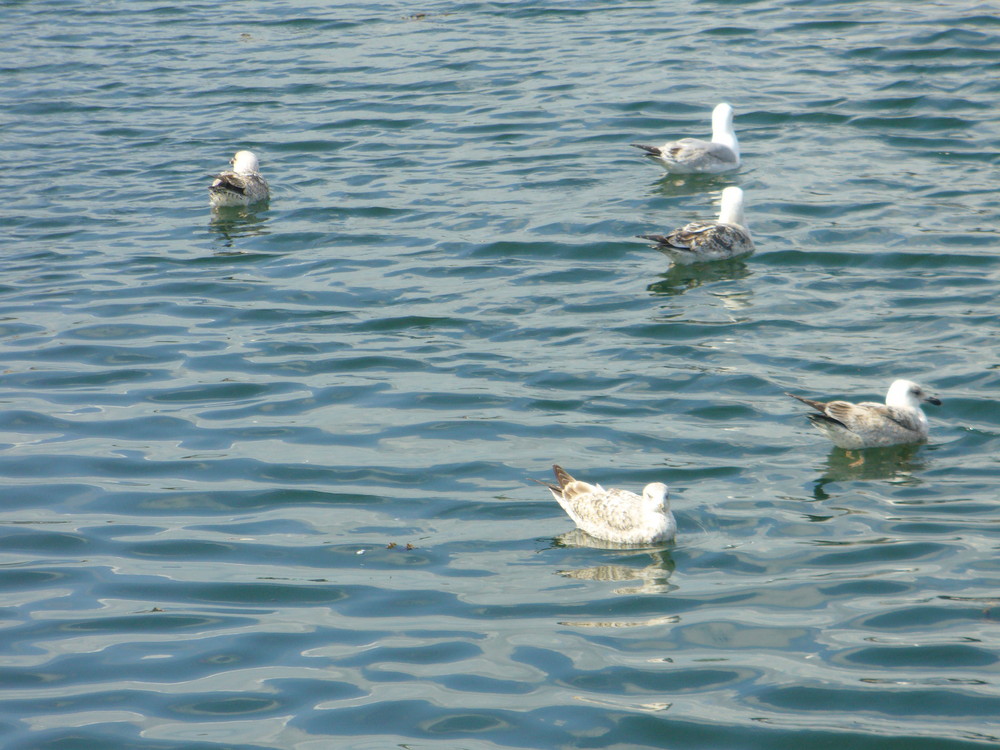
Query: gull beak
[(933, 400)]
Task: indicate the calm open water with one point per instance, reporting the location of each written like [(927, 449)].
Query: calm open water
[(213, 428)]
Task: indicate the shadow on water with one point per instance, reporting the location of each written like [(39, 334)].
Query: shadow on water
[(898, 464), (231, 223), (653, 576), (681, 278)]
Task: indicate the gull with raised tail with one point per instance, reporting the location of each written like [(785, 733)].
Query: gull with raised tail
[(709, 240), (240, 186), (693, 155), (898, 421), (616, 515)]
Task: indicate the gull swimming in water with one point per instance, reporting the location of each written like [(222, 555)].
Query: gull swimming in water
[(240, 186), (709, 240), (616, 515), (693, 155), (869, 425)]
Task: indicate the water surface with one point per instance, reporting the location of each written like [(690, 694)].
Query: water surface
[(267, 474)]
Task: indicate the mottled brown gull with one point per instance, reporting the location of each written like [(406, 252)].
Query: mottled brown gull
[(693, 155), (709, 240), (616, 515), (240, 186), (870, 425)]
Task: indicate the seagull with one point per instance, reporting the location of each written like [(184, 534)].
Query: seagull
[(869, 425), (240, 186), (616, 515), (709, 240), (693, 155)]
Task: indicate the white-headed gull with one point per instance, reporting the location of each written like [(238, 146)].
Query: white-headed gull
[(870, 425), (693, 155), (240, 186), (709, 240), (616, 515)]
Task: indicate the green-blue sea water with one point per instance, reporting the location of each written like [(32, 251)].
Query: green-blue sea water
[(266, 475)]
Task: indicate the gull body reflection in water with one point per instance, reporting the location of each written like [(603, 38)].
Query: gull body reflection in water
[(898, 464), (649, 564), (229, 224), (682, 278)]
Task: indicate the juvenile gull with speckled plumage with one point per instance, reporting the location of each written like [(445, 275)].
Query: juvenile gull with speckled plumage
[(709, 240), (870, 425), (616, 515), (240, 186), (693, 155)]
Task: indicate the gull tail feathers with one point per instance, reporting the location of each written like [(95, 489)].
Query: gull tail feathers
[(551, 487), (817, 405), (562, 476), (651, 150)]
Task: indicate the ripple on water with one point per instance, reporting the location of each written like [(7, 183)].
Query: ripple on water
[(267, 473)]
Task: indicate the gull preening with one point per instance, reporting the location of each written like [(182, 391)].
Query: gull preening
[(693, 155), (870, 425), (709, 240), (616, 515), (240, 186)]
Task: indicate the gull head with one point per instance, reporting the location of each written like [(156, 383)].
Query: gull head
[(655, 497), (906, 393), (722, 127), (722, 117), (731, 211), (245, 162)]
